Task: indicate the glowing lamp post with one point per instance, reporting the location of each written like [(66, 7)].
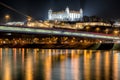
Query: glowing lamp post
[(29, 18), (87, 28), (116, 32), (97, 29), (7, 18), (106, 31)]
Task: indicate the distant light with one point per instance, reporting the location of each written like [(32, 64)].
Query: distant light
[(29, 18), (7, 16), (9, 34)]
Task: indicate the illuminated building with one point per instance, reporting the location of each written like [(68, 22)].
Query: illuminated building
[(66, 15), (80, 25), (15, 23), (116, 24)]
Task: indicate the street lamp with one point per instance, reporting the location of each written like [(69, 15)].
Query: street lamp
[(88, 28), (97, 29), (106, 31), (29, 18), (7, 17), (116, 32)]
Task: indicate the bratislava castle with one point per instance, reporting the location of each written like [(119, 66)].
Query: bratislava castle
[(66, 15)]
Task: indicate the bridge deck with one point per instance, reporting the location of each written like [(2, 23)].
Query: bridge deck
[(56, 32)]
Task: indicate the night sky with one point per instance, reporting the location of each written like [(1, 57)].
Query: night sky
[(38, 8)]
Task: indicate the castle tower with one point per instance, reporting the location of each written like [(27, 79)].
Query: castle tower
[(67, 10), (81, 13), (50, 14)]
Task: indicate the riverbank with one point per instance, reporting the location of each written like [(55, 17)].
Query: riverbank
[(96, 46)]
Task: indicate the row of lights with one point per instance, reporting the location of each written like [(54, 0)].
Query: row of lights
[(7, 18), (115, 32)]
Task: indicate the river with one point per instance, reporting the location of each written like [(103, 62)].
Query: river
[(59, 64)]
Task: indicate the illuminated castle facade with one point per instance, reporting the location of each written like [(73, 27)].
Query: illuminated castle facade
[(66, 15)]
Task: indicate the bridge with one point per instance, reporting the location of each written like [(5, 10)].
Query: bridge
[(59, 32), (22, 36)]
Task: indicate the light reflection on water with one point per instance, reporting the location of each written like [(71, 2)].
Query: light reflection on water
[(58, 64)]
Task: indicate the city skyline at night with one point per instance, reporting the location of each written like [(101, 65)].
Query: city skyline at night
[(59, 40), (38, 9)]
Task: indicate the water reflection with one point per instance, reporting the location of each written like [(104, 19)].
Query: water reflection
[(29, 68), (7, 66), (58, 64), (47, 66), (15, 62), (75, 65), (107, 65), (87, 65), (115, 66), (0, 58), (98, 65)]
